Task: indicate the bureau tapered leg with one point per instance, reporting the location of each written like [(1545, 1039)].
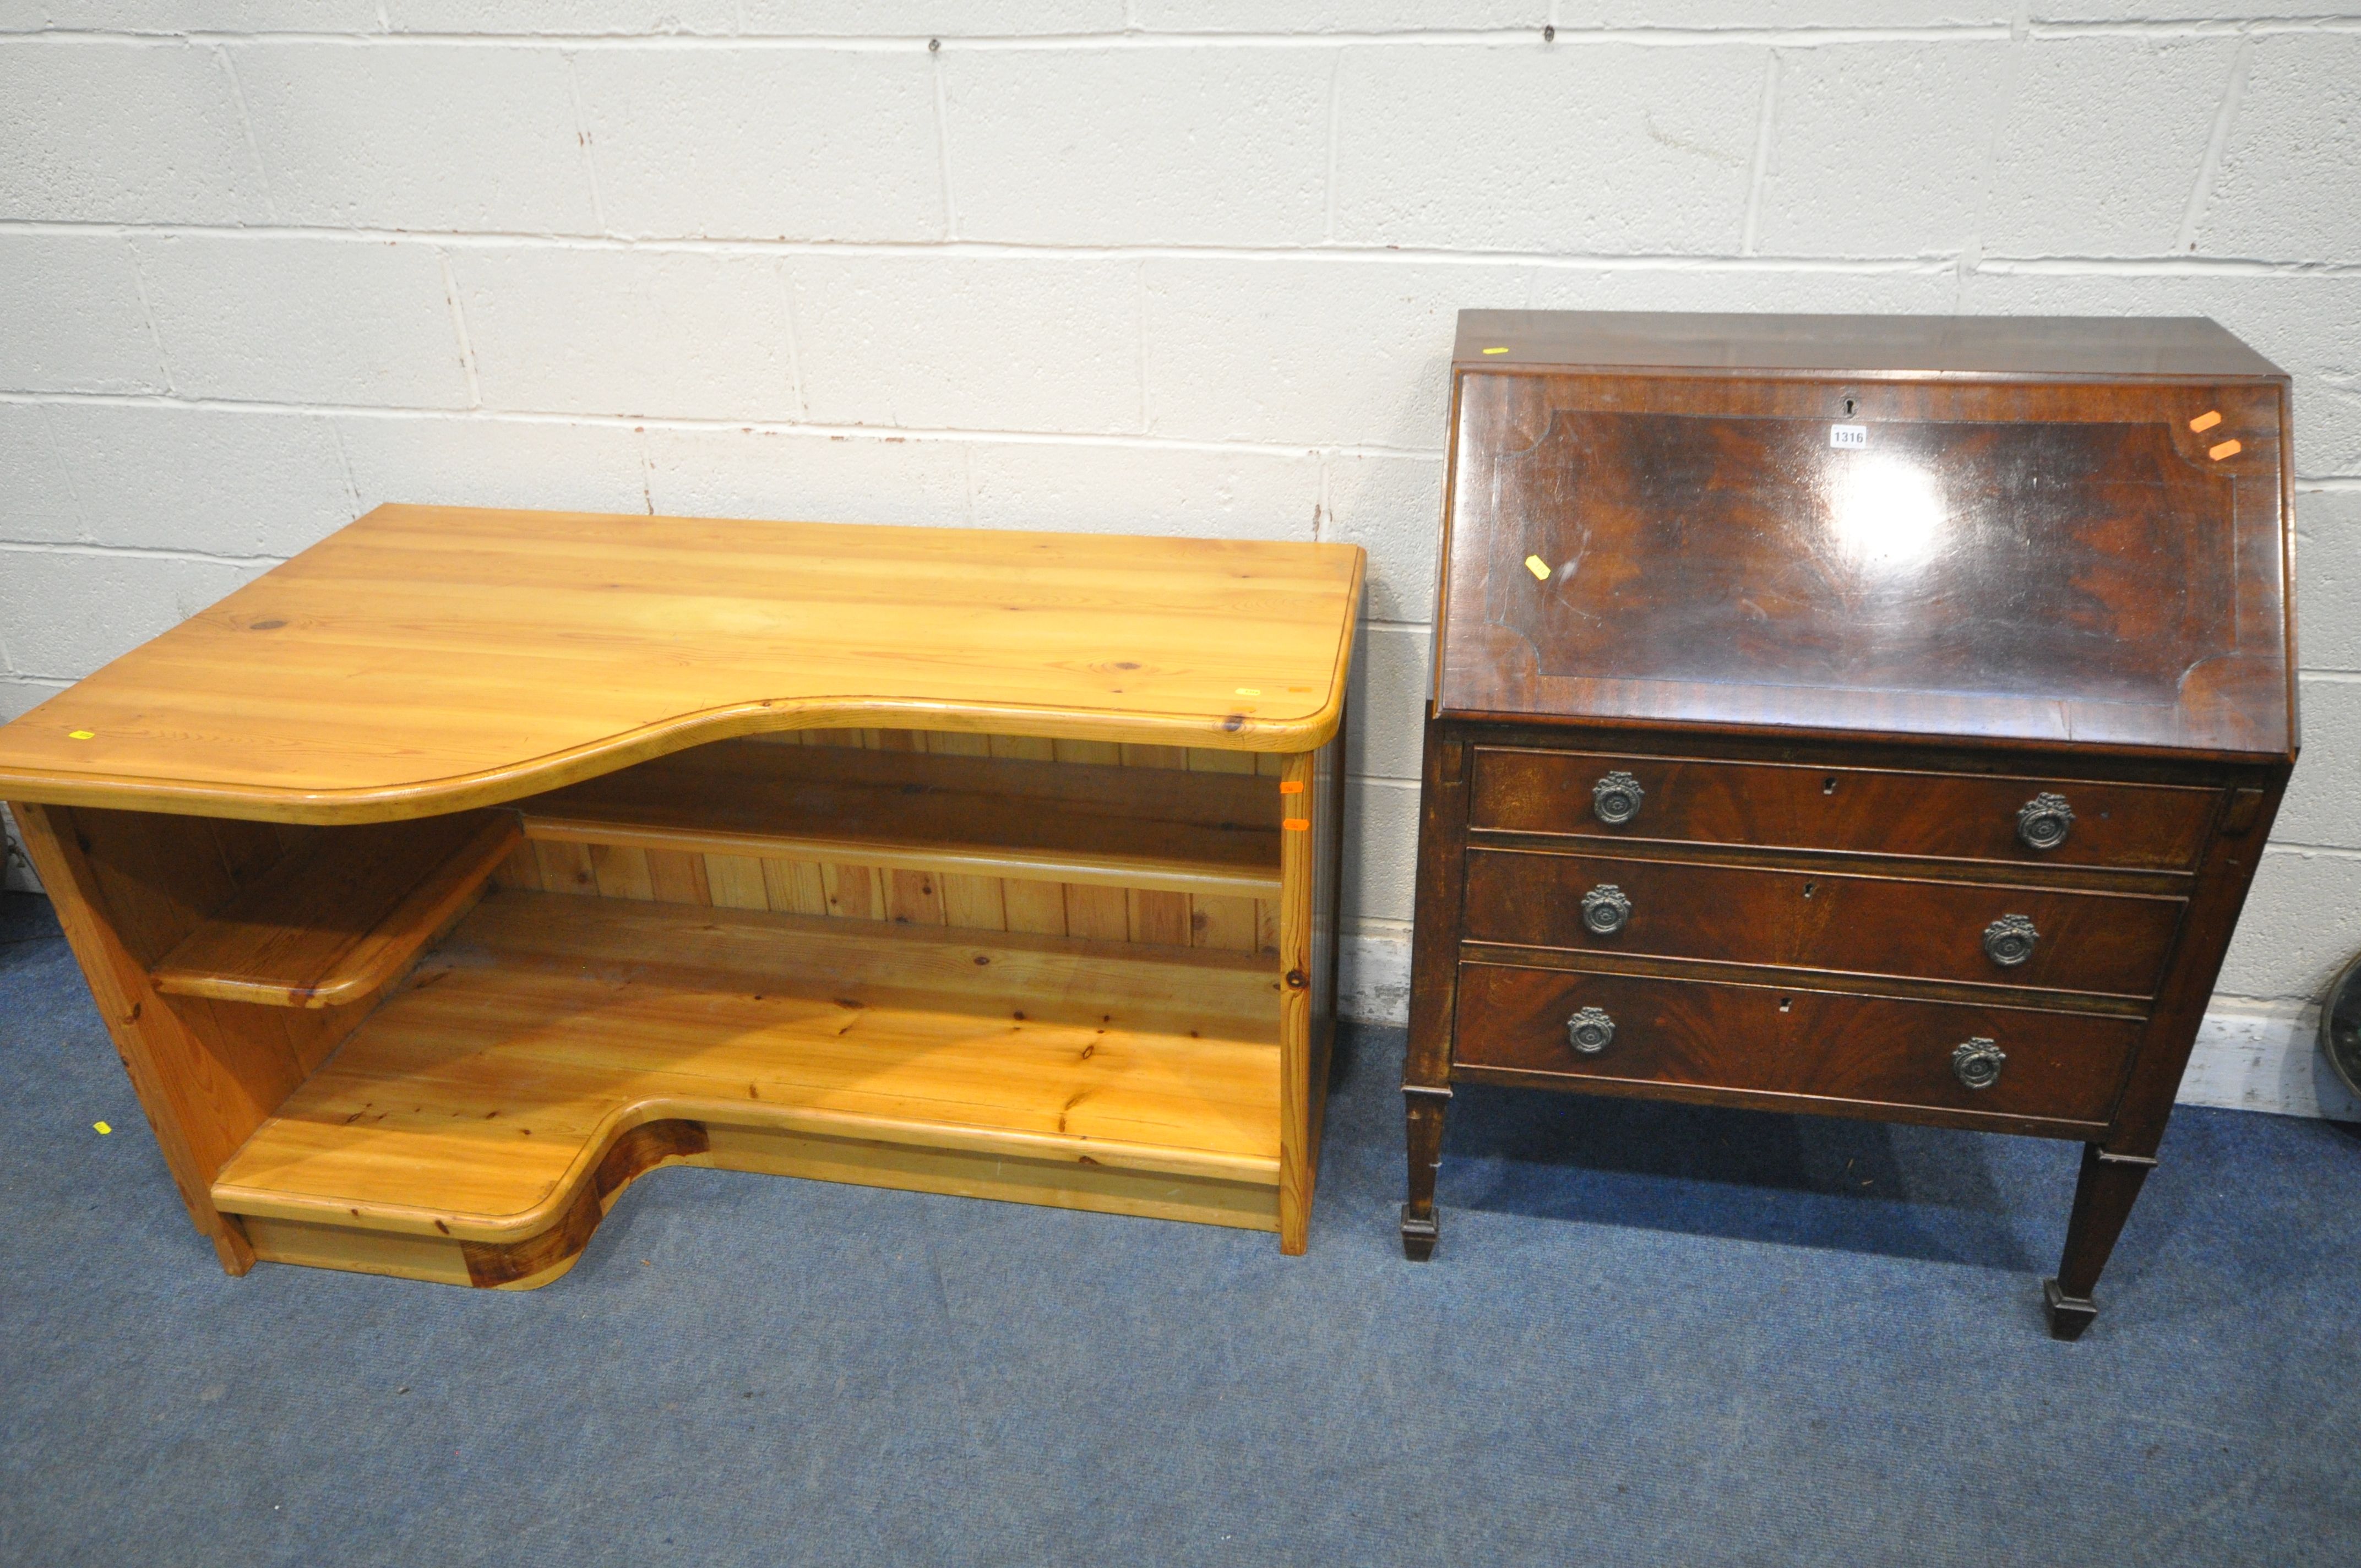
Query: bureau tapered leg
[(1423, 1108), (2110, 1184)]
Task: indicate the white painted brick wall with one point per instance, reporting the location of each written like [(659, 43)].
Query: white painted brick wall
[(1154, 266)]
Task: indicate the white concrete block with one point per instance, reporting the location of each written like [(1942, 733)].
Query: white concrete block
[(1150, 490), (476, 462), (1923, 288), (1574, 15), (2323, 799), (2251, 1057), (688, 335), (1380, 849), (73, 320), (1313, 352), (2173, 10), (1337, 16), (1880, 150), (216, 481), (418, 137), (305, 321), (36, 497), (572, 18), (2289, 188), (2291, 319), (1392, 508), (1601, 148), (1389, 696), (130, 132), (20, 695), (765, 144), (2103, 143), (1129, 147), (176, 16), (969, 343), (2328, 579), (68, 612), (1373, 975), (806, 479), (2302, 923), (946, 19)]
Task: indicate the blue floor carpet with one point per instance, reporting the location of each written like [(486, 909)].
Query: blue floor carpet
[(1651, 1336)]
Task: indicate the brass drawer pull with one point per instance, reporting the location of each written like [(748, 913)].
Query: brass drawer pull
[(2008, 941), (1978, 1063), (1604, 910), (1590, 1031), (2045, 821), (1615, 798)]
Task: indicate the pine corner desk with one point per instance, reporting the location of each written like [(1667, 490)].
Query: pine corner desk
[(454, 873)]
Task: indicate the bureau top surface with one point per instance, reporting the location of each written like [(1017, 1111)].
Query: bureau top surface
[(426, 659), (2057, 533)]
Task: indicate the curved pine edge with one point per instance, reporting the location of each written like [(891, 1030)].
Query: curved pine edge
[(537, 1260)]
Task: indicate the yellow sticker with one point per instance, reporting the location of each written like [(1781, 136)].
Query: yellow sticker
[(1250, 691), (82, 734), (102, 1128), (2206, 420), (1496, 351), (1538, 567)]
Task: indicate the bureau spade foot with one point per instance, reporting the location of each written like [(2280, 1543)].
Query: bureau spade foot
[(2069, 1315), (1418, 1236)]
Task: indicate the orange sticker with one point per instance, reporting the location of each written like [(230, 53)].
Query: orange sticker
[(1290, 786), (2206, 420), (2227, 449), (1298, 825)]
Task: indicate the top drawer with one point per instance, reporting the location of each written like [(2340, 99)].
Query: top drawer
[(1868, 811)]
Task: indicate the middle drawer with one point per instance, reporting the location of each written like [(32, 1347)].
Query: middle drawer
[(2044, 938)]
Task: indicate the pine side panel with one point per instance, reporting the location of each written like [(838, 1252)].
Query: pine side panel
[(1226, 923), (973, 903), (621, 871), (1297, 858), (1039, 907), (796, 887), (566, 867), (735, 882), (676, 876)]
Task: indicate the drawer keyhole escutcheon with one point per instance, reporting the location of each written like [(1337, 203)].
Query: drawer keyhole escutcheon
[(1615, 798), (2045, 821), (1591, 1031), (1977, 1063), (2008, 941), (1604, 910)]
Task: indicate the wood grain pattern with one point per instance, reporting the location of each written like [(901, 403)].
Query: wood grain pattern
[(1823, 920), (478, 1101), (427, 660), (342, 917)]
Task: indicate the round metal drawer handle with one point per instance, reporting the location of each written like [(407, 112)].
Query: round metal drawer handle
[(2045, 821), (1604, 910), (2008, 941), (1590, 1031), (1977, 1063), (1615, 798)]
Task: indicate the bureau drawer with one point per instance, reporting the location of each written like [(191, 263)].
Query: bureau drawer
[(2110, 943), (1872, 1052), (1864, 810)]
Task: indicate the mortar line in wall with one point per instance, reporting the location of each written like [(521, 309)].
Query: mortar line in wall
[(1336, 75), (2334, 677), (766, 427), (647, 470), (2201, 193), (1764, 129), (1634, 261), (794, 342), (1522, 37), (943, 143), (195, 557), (1140, 348), (345, 460), (245, 124), (2330, 851), (582, 139)]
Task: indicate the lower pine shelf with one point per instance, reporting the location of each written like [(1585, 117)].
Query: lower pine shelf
[(477, 1125)]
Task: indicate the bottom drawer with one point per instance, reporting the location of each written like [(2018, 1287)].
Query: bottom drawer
[(1872, 1051)]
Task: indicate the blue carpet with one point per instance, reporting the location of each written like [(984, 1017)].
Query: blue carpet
[(1650, 1335)]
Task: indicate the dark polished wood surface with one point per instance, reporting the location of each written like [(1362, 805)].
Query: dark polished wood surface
[(2049, 563), (1795, 634), (1860, 810)]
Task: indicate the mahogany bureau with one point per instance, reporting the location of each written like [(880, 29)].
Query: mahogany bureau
[(1875, 717)]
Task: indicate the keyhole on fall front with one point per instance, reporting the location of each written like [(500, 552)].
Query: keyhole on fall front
[(1828, 785), (1786, 1004), (1849, 406), (1810, 888)]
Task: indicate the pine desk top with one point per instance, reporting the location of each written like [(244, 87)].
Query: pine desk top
[(429, 659)]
